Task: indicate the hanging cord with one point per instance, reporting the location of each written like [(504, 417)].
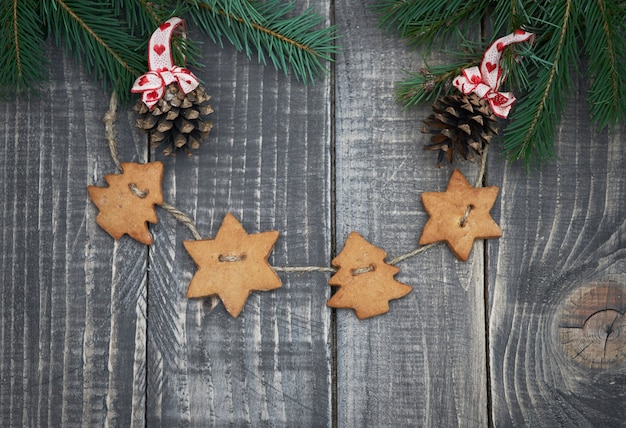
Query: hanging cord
[(109, 119)]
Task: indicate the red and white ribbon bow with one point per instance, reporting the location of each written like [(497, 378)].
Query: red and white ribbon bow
[(485, 81), (162, 69)]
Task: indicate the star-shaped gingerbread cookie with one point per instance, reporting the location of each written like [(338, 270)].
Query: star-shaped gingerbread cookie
[(460, 215), (232, 265), (365, 281)]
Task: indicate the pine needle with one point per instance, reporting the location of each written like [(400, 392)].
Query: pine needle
[(605, 31), (530, 135), (297, 43), (430, 24), (428, 84), (141, 16), (94, 33), (431, 82), (22, 57)]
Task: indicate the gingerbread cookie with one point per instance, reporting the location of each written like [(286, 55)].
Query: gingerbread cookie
[(365, 281), (127, 204), (232, 265), (460, 215)]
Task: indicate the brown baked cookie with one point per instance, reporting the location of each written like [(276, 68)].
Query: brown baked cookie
[(127, 204), (460, 215), (232, 265), (365, 281)]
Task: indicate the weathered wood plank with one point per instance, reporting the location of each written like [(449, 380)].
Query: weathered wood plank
[(68, 317), (423, 363), (95, 332), (557, 358), (267, 161)]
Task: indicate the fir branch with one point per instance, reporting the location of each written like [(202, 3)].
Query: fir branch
[(429, 83), (530, 135), (142, 16), (239, 10), (94, 33), (288, 42), (110, 36), (260, 28), (510, 15), (607, 62), (22, 58), (441, 28), (542, 79), (405, 13), (428, 24)]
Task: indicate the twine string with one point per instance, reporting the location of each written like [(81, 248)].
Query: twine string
[(232, 259), (182, 218), (410, 254), (466, 215), (483, 167), (137, 191), (295, 269), (109, 121)]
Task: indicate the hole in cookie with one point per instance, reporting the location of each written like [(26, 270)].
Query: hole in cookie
[(137, 191), (359, 271), (463, 221), (230, 258)]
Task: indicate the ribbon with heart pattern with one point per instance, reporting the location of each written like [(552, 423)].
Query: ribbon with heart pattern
[(485, 81), (162, 70)]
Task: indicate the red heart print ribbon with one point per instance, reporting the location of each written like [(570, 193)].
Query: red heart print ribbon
[(162, 69), (485, 81)]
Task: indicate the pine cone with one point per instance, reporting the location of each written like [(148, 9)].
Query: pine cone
[(460, 122), (178, 119)]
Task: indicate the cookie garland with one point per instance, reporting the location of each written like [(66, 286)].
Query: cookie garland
[(235, 262)]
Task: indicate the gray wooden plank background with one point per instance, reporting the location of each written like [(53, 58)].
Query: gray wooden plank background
[(97, 332), (424, 362), (564, 242)]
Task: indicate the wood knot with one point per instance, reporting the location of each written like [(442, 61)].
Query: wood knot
[(592, 328)]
